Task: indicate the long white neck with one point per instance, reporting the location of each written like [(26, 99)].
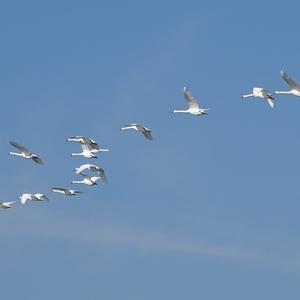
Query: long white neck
[(104, 150), (17, 154), (248, 95), (77, 154), (180, 111), (283, 92), (78, 181)]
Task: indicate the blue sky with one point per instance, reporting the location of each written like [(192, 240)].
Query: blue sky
[(209, 209)]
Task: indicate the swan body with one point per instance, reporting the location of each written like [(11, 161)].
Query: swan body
[(32, 197), (86, 152), (5, 205), (193, 107), (67, 192), (261, 93), (140, 128), (295, 88), (25, 153), (93, 168), (85, 143), (88, 180)]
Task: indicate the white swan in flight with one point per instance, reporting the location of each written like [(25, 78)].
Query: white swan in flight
[(262, 93), (25, 153), (85, 143), (65, 191), (295, 88), (5, 205), (88, 180), (140, 128), (86, 152), (93, 168), (33, 197), (194, 108), (85, 140)]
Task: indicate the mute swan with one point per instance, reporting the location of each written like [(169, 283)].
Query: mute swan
[(64, 191), (5, 205), (262, 93), (140, 128), (93, 168), (88, 180), (194, 108), (25, 153), (295, 88)]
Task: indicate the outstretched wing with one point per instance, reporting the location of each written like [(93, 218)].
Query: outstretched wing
[(20, 147), (102, 175), (190, 99), (59, 190), (292, 83), (37, 160), (271, 103), (92, 143), (82, 168), (147, 134)]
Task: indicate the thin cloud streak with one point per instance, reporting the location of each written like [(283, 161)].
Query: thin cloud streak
[(110, 235)]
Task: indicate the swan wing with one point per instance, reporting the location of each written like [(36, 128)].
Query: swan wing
[(292, 83), (20, 147), (192, 103)]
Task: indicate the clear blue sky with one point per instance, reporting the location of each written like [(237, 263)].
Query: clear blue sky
[(209, 209)]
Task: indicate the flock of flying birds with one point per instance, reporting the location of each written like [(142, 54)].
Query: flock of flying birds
[(90, 147)]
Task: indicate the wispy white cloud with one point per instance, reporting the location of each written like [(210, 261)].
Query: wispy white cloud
[(144, 240)]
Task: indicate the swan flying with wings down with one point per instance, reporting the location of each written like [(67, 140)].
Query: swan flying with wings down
[(67, 192), (262, 93), (84, 140), (295, 88), (93, 168), (88, 180), (5, 205), (85, 143), (33, 197), (25, 153), (140, 128), (194, 108)]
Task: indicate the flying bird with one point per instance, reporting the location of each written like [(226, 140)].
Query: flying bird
[(65, 191), (140, 128), (85, 140), (194, 108), (25, 153), (262, 93), (86, 152), (93, 168), (33, 197), (295, 88), (85, 143), (5, 205), (88, 180)]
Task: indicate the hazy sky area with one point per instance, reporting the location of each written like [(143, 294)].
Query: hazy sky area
[(209, 209)]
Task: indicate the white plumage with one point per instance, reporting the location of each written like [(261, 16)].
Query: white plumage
[(85, 142), (33, 197), (5, 205), (194, 108), (65, 191), (261, 93), (140, 128), (88, 180), (25, 153), (295, 88), (93, 168)]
